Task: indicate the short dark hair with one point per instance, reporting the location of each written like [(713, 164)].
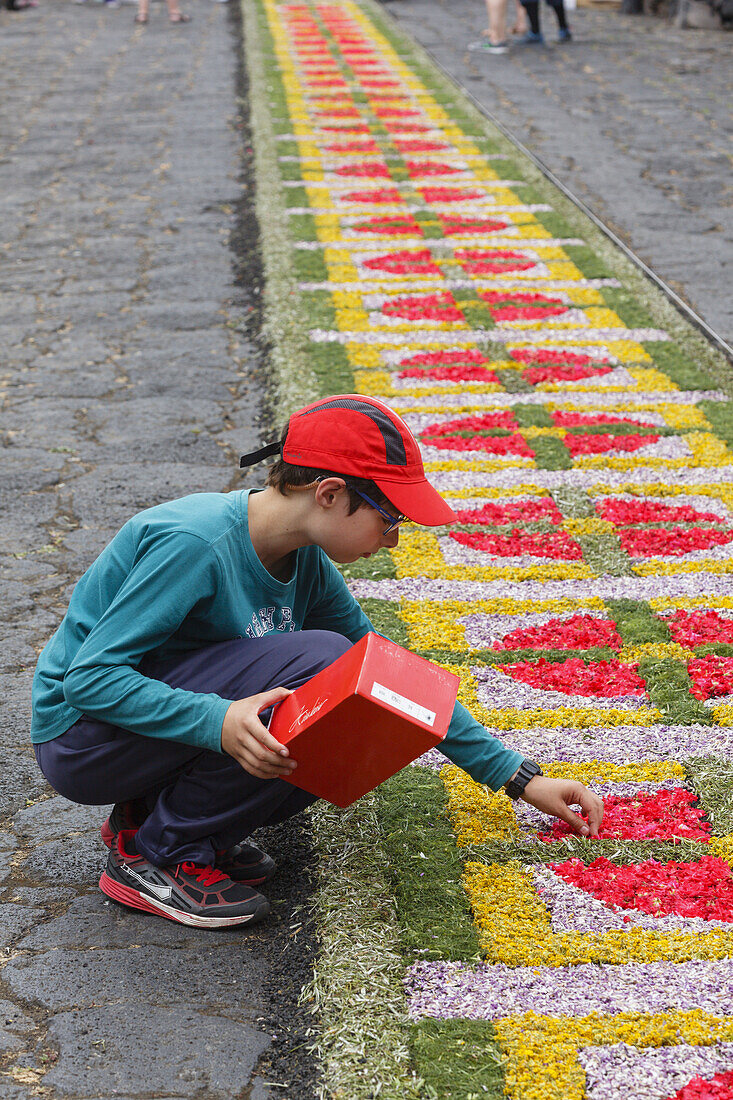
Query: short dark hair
[(282, 475)]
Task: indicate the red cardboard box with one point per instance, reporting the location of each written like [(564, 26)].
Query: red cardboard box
[(363, 718)]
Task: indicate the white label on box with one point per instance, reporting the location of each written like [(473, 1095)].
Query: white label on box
[(386, 695)]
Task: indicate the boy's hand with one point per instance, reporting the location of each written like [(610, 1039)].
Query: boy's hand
[(555, 796), (245, 738)]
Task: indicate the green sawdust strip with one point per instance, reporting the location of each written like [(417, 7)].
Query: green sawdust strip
[(425, 868), (713, 781), (460, 1059)]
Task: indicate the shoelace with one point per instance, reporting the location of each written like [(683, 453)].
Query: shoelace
[(207, 876)]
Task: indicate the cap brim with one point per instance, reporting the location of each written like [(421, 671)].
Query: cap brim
[(419, 501)]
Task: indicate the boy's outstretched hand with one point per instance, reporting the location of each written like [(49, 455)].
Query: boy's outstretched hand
[(245, 738), (556, 796)]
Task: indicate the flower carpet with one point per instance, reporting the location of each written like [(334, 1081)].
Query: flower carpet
[(585, 438)]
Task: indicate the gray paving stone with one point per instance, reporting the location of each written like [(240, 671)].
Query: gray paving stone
[(207, 975), (79, 858), (20, 780), (100, 1052), (14, 1026), (14, 920), (57, 817)]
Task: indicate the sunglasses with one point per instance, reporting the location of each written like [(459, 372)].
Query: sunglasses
[(393, 522)]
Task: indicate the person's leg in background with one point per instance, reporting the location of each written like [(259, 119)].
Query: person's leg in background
[(495, 36), (563, 30), (534, 36)]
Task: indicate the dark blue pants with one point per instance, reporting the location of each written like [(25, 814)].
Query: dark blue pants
[(200, 801)]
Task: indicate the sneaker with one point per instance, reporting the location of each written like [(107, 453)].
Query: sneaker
[(187, 893), (243, 863), (564, 35), (127, 816), (487, 46), (531, 39), (246, 864)]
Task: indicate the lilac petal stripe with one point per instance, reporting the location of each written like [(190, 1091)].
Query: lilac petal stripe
[(633, 588), (611, 744), (569, 395), (578, 478), (455, 990), (652, 1073), (619, 744)]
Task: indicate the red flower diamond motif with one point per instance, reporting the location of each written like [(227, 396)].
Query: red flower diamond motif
[(711, 676), (455, 226), (480, 422), (390, 227), (506, 306), (406, 127), (419, 168), (427, 307), (592, 420), (376, 195), (462, 434), (592, 679), (559, 546), (347, 128), (449, 366), (521, 511), (577, 632), (339, 112), (693, 628), (481, 261), (395, 112), (703, 888), (558, 366), (448, 194), (647, 815), (600, 444), (411, 145), (353, 147), (651, 542), (403, 263), (625, 512), (368, 169), (453, 374)]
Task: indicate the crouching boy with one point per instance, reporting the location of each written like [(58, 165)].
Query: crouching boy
[(195, 620)]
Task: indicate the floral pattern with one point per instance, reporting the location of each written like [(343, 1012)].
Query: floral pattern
[(584, 592)]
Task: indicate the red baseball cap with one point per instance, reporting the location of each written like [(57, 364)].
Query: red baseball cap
[(357, 435)]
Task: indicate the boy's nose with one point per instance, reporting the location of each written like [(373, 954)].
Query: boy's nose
[(392, 538)]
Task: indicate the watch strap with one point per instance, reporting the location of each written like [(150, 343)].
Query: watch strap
[(528, 770)]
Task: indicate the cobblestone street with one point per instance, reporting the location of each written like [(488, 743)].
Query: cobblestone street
[(124, 382), (633, 117)]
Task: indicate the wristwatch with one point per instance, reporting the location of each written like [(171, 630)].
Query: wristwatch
[(528, 770)]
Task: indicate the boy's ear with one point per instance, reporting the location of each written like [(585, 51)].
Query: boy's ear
[(329, 490)]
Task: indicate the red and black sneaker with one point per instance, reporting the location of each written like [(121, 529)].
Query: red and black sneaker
[(125, 816), (246, 864), (188, 893)]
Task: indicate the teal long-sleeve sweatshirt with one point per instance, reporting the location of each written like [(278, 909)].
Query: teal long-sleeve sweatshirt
[(181, 576)]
